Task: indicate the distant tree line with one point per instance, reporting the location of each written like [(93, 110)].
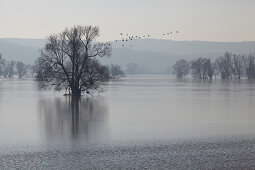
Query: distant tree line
[(116, 72), (229, 66), (9, 69)]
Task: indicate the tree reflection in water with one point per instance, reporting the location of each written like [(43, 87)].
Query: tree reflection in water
[(66, 119)]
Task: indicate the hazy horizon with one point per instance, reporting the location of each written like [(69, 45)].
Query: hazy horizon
[(197, 20), (17, 38)]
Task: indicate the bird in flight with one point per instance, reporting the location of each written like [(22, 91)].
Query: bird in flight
[(128, 38)]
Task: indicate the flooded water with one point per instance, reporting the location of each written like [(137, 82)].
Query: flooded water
[(135, 108)]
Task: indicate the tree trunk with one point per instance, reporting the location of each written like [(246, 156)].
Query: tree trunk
[(76, 92)]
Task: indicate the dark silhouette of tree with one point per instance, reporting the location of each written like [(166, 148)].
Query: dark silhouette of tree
[(181, 68), (210, 68), (237, 66), (196, 68), (229, 66), (116, 71), (105, 72), (21, 69), (1, 65), (68, 60), (202, 68), (4, 68), (10, 68), (249, 65), (224, 65), (7, 68)]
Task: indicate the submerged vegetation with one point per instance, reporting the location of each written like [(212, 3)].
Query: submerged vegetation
[(229, 66)]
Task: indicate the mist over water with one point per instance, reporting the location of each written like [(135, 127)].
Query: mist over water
[(135, 108)]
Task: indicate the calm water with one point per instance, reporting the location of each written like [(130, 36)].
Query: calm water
[(136, 108)]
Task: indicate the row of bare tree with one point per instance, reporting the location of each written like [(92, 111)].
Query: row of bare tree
[(228, 66), (10, 68)]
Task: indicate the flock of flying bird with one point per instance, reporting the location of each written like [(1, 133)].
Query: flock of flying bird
[(128, 38)]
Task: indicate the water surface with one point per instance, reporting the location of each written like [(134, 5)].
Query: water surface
[(135, 108)]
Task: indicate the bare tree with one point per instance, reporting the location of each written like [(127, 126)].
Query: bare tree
[(4, 68), (116, 71), (196, 68), (7, 68), (224, 65), (202, 68), (31, 70), (10, 68), (105, 73), (21, 69), (249, 65), (1, 65), (237, 66), (181, 68), (210, 68), (68, 60), (231, 65)]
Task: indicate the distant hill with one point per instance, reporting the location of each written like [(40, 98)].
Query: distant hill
[(191, 47), (36, 43), (14, 51), (152, 55)]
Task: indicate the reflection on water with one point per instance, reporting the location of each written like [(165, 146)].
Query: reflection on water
[(139, 107), (69, 119)]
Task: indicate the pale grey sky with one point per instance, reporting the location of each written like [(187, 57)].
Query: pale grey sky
[(210, 20)]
